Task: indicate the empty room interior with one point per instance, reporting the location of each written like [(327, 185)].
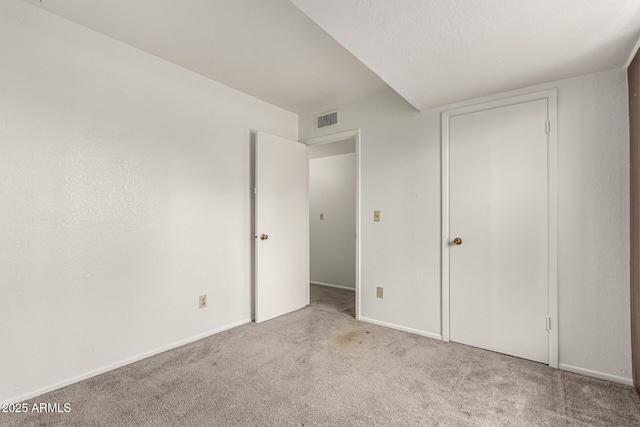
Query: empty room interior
[(320, 212)]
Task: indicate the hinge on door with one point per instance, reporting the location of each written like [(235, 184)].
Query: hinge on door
[(547, 323), (254, 190), (547, 126)]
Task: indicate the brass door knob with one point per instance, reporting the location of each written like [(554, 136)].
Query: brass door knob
[(264, 236), (457, 241)]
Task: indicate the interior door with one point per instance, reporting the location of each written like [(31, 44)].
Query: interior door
[(499, 212), (281, 226)]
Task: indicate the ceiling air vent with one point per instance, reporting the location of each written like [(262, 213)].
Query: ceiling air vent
[(329, 118)]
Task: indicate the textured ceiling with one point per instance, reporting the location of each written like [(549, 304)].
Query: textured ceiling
[(266, 48), (432, 52), (437, 52)]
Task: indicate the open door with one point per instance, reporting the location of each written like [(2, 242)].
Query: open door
[(281, 227)]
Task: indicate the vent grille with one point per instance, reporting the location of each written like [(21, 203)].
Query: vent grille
[(327, 119)]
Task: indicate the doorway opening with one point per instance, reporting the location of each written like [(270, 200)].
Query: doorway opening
[(334, 206)]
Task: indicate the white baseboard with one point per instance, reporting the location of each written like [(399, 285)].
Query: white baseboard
[(331, 285), (596, 374), (87, 375), (403, 328)]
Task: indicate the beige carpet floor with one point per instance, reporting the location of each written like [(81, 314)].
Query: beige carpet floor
[(319, 366)]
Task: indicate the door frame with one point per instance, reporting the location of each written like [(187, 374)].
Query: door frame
[(336, 137), (551, 95)]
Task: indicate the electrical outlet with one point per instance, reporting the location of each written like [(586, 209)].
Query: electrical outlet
[(376, 216), (380, 292), (202, 301)]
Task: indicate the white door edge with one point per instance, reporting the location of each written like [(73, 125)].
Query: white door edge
[(551, 95), (328, 139)]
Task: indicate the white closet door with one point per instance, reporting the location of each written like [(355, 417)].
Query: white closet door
[(499, 208)]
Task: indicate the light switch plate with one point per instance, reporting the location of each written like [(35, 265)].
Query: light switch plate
[(376, 216), (380, 292)]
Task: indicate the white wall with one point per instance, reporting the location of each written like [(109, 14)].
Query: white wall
[(400, 175), (332, 192), (124, 187)]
